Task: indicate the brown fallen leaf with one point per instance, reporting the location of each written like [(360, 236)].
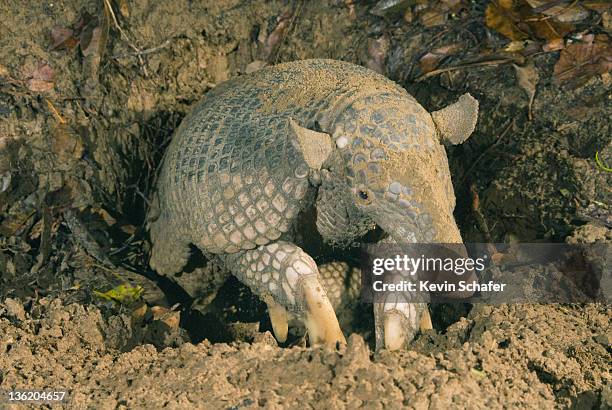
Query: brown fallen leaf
[(40, 80), (93, 39), (68, 38), (66, 144), (565, 12), (606, 21), (104, 215), (139, 311), (62, 38), (453, 5), (514, 46), (170, 317), (13, 223), (377, 53), (527, 78), (580, 61), (129, 229), (350, 6), (431, 60), (44, 72), (599, 6), (516, 20), (39, 86), (502, 16), (37, 229), (124, 8), (554, 45), (274, 39), (432, 18)]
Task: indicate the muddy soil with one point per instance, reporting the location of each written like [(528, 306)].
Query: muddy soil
[(88, 102)]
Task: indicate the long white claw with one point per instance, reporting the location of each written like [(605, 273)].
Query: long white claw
[(319, 316), (278, 317), (394, 330)]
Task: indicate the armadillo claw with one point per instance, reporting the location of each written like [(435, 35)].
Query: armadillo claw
[(278, 317), (394, 328), (425, 321), (397, 323), (319, 316)]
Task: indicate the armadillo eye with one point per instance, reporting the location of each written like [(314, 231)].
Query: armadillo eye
[(363, 194)]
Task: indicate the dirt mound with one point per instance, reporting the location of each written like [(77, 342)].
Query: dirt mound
[(519, 356)]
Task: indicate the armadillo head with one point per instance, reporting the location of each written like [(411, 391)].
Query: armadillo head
[(383, 163)]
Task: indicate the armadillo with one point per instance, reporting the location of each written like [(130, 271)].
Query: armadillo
[(260, 150)]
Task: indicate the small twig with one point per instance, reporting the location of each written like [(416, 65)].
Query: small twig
[(139, 193), (111, 13), (463, 66), (124, 246), (146, 51), (56, 113)]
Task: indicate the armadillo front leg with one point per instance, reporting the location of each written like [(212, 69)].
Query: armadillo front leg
[(397, 319), (289, 276)]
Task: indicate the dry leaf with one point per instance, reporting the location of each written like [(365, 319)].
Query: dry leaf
[(44, 72), (68, 38), (66, 144), (124, 9), (388, 7), (527, 78), (170, 317), (90, 39), (377, 53), (502, 17), (408, 16), (453, 4), (36, 230), (103, 213), (515, 46), (516, 20), (548, 29), (433, 18), (580, 61), (40, 79), (569, 12), (554, 45), (431, 60), (39, 85), (606, 20), (128, 229), (13, 223), (4, 71), (274, 38), (599, 6), (62, 38)]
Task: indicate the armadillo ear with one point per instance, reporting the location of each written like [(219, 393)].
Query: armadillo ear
[(315, 146), (456, 122)]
